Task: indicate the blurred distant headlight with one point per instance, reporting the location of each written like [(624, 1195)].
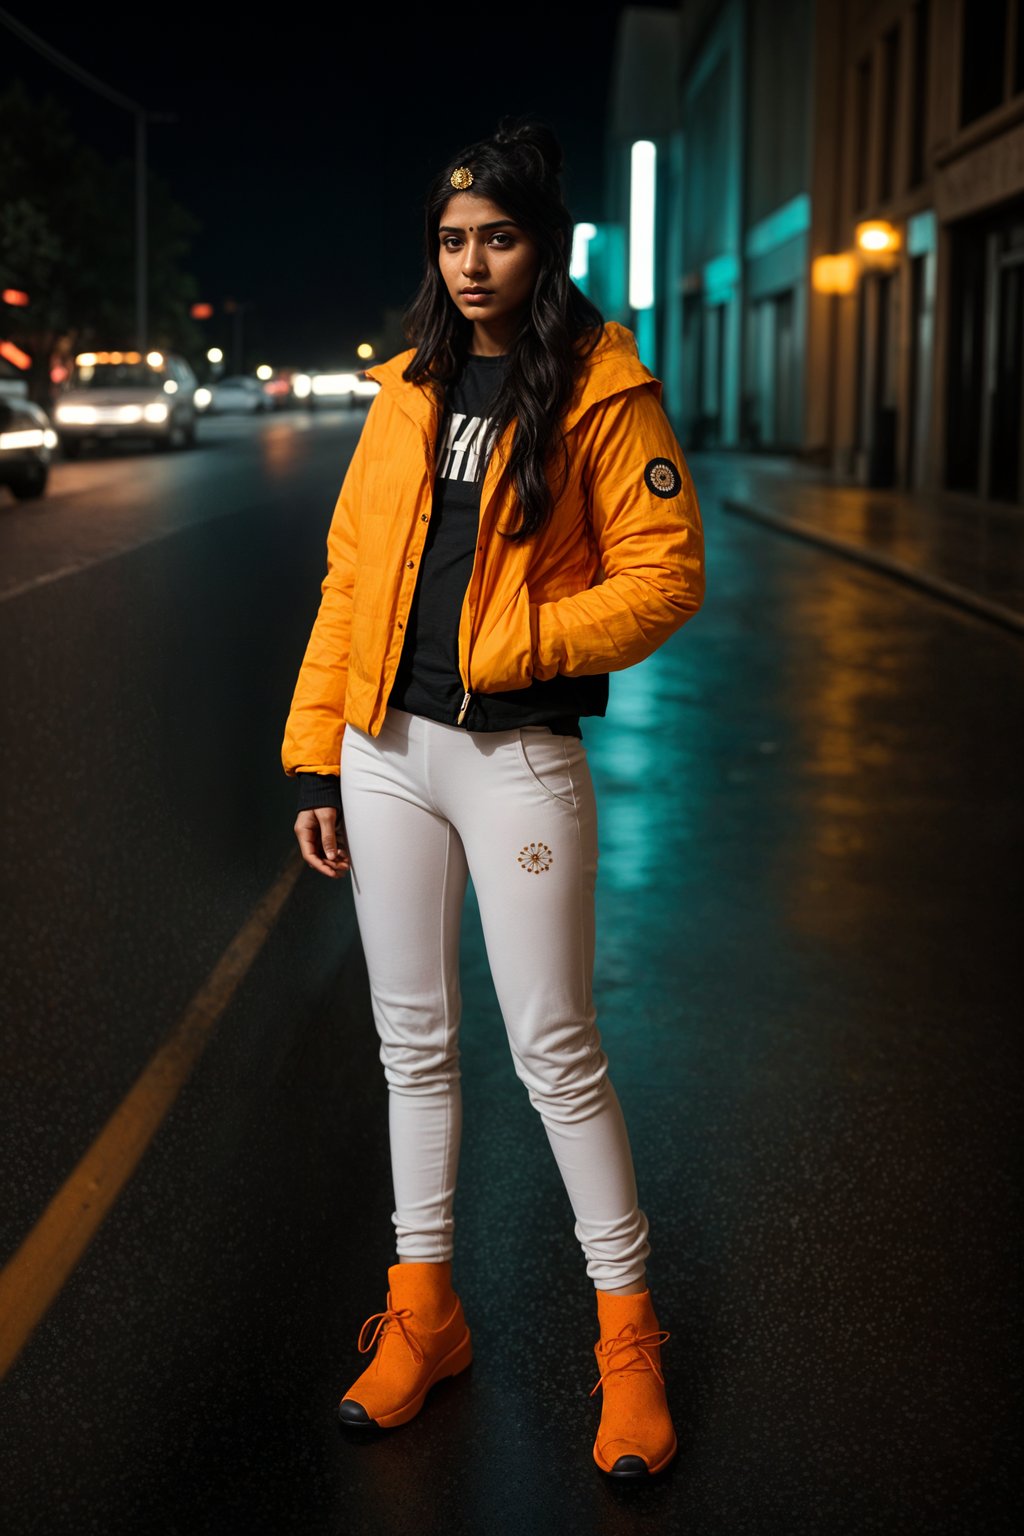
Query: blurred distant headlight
[(50, 438), (202, 398), (170, 387), (301, 385), (158, 412), (155, 359), (30, 437), (82, 415), (334, 383), (366, 386)]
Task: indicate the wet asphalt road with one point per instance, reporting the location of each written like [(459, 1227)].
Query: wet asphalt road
[(809, 899)]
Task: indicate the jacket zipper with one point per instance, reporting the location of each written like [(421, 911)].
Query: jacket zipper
[(462, 712)]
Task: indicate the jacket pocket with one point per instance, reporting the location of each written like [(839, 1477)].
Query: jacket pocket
[(502, 654)]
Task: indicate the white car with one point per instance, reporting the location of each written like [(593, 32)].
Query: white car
[(27, 441), (127, 395), (241, 392), (349, 388)]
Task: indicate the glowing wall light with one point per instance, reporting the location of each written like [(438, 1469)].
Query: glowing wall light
[(834, 274), (641, 224), (876, 236), (579, 261)]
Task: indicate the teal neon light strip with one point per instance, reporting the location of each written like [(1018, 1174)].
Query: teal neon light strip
[(793, 218), (720, 276), (921, 233)]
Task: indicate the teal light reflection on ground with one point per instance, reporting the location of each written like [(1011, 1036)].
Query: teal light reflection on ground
[(644, 761)]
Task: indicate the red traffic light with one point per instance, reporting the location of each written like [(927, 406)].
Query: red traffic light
[(201, 311), (14, 296)]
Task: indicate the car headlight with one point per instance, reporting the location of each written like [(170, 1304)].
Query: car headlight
[(29, 437), (158, 412), (79, 415), (334, 384), (301, 385), (202, 398)]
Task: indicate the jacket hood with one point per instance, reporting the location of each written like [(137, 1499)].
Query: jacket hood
[(614, 365)]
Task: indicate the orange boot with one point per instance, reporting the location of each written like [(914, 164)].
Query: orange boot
[(636, 1434), (421, 1337)]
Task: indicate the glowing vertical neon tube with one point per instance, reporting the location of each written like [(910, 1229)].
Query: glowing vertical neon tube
[(641, 224), (579, 264)]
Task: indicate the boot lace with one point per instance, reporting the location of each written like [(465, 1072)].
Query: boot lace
[(632, 1344), (391, 1318)]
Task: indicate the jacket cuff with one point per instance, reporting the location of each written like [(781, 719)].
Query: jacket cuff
[(317, 790)]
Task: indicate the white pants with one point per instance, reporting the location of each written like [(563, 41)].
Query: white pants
[(425, 806)]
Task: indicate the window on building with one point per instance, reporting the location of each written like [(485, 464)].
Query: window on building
[(862, 132), (919, 86), (984, 56), (890, 82)]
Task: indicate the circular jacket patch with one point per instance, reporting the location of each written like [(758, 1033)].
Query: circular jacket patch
[(663, 478)]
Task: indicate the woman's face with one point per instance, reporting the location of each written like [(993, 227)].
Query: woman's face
[(483, 249)]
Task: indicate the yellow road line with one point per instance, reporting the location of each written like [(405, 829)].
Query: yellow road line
[(34, 1277)]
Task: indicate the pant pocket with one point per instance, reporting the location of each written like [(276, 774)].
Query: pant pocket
[(547, 760)]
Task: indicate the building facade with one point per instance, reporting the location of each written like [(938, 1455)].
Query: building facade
[(838, 230)]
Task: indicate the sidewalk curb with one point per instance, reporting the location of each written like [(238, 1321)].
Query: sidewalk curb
[(963, 597)]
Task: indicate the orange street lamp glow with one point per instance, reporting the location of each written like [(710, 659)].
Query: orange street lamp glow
[(14, 296), (15, 355)]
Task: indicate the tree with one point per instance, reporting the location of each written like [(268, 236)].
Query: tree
[(67, 239)]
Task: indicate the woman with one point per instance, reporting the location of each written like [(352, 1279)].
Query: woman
[(519, 453)]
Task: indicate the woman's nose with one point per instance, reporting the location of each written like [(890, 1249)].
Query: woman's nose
[(474, 260)]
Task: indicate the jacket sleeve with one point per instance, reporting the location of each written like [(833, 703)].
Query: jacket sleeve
[(651, 545), (316, 724)]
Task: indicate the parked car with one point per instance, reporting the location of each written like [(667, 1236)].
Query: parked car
[(127, 395), (27, 441), (239, 392)]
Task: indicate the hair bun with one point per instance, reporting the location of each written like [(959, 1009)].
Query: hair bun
[(531, 134)]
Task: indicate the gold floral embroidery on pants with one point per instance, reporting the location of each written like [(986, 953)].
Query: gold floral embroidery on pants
[(536, 858)]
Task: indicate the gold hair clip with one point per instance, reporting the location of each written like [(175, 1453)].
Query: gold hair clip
[(461, 178)]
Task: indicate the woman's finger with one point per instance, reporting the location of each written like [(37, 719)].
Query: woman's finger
[(307, 832), (333, 845)]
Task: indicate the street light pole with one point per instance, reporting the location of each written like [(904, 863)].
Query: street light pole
[(141, 251)]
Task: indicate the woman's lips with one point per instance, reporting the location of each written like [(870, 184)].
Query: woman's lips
[(477, 298)]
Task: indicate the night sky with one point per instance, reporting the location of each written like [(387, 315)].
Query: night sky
[(305, 147)]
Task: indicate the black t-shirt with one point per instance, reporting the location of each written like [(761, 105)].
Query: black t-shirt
[(427, 680)]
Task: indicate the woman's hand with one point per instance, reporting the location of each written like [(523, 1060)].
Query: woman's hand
[(321, 835)]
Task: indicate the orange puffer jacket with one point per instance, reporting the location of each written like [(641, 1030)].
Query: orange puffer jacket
[(616, 570)]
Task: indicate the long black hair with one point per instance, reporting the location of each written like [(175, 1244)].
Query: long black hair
[(519, 168)]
